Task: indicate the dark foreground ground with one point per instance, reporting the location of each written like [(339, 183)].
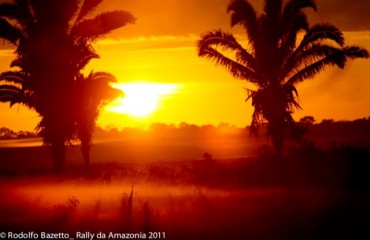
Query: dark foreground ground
[(309, 194)]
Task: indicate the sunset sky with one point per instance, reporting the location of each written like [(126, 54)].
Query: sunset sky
[(159, 53)]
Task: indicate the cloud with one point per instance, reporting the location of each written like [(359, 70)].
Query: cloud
[(156, 39), (178, 17), (6, 53), (348, 15), (171, 17), (148, 43)]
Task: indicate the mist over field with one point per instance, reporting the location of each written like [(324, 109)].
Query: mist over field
[(193, 182)]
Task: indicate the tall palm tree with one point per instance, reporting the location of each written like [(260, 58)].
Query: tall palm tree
[(275, 60), (53, 42)]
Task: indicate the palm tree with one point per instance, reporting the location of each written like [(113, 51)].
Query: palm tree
[(53, 42), (94, 91), (91, 94), (274, 60)]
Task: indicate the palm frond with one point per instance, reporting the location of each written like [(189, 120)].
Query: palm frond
[(103, 24), (292, 97), (87, 7), (257, 116), (16, 77), (243, 13), (101, 87), (289, 35), (321, 32), (84, 61), (250, 93), (292, 7), (10, 93), (24, 14), (272, 9), (103, 76), (20, 63), (226, 41), (314, 36), (257, 119), (10, 11), (9, 32), (335, 59), (235, 68), (354, 52), (305, 58), (96, 88), (5, 88)]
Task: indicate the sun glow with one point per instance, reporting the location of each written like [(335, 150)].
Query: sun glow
[(140, 98)]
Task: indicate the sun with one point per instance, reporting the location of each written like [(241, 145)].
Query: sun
[(140, 98)]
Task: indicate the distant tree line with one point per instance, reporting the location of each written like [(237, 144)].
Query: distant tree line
[(6, 133), (306, 124)]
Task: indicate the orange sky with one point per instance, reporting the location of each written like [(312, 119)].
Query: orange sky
[(161, 48)]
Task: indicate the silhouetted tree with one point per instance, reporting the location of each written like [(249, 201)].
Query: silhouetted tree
[(53, 42), (301, 128), (307, 120), (327, 121), (94, 92), (273, 60), (6, 133)]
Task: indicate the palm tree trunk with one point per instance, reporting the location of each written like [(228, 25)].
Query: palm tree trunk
[(85, 150), (276, 131), (278, 143), (58, 151), (85, 132)]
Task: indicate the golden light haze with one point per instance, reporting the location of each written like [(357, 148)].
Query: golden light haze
[(141, 98), (160, 50)]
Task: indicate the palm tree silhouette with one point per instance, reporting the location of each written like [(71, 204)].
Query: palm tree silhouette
[(94, 91), (274, 60), (53, 42)]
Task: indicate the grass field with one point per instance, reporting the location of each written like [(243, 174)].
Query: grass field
[(168, 188)]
